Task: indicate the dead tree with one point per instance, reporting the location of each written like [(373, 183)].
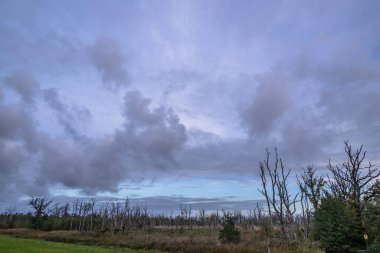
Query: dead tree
[(311, 186), (104, 216), (276, 193), (181, 217), (41, 207), (189, 217), (351, 180), (264, 191), (306, 218), (125, 215), (115, 216), (202, 215), (73, 212), (10, 212), (92, 217), (256, 214)]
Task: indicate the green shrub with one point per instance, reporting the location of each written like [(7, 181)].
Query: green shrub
[(229, 233), (371, 216), (266, 228), (374, 247), (335, 226)]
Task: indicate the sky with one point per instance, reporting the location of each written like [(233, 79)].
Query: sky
[(171, 102)]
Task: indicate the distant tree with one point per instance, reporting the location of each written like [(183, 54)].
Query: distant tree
[(312, 186), (229, 233), (40, 206), (279, 200), (266, 228), (10, 213)]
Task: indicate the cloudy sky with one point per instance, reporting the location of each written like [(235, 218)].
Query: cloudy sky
[(170, 101)]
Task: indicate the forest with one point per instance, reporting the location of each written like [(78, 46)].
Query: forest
[(338, 211)]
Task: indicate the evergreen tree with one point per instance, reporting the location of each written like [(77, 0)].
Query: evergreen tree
[(335, 226), (229, 233)]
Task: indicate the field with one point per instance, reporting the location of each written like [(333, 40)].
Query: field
[(10, 244), (201, 241)]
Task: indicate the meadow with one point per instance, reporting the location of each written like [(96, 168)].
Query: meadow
[(10, 244), (157, 240)]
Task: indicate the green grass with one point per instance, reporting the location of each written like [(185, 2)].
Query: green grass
[(17, 245)]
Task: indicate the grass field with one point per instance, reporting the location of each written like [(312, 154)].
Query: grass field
[(17, 245), (159, 240)]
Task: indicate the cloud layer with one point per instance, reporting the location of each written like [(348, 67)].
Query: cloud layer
[(178, 90)]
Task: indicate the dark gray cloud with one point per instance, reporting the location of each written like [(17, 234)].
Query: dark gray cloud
[(153, 140), (21, 143), (271, 101), (304, 105), (23, 82), (147, 143), (157, 133), (18, 142), (344, 104), (90, 166), (68, 116), (209, 154), (302, 144), (12, 156), (215, 90), (108, 58), (17, 125)]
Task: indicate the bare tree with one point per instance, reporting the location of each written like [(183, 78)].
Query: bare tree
[(351, 180), (104, 214), (74, 211), (91, 207), (311, 186), (264, 191), (202, 216), (276, 194), (307, 212), (181, 217), (10, 213), (115, 212)]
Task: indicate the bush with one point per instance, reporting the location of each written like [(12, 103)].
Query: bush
[(229, 233), (266, 228), (371, 216), (335, 226), (374, 247)]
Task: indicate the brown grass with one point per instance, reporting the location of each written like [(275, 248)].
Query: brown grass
[(190, 241)]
